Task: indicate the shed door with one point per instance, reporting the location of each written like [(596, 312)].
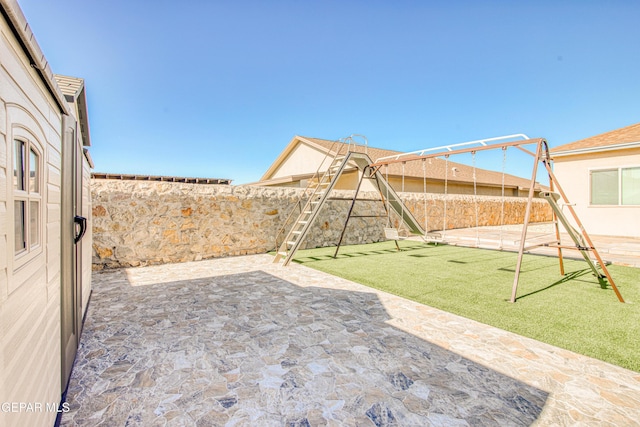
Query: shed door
[(71, 250)]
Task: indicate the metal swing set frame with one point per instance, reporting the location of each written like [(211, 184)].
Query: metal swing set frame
[(541, 155), (304, 213)]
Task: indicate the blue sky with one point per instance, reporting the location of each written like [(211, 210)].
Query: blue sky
[(205, 88)]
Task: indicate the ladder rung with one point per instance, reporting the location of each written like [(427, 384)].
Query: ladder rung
[(317, 191)]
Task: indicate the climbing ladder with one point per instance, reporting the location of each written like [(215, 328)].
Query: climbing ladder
[(575, 235), (317, 191)]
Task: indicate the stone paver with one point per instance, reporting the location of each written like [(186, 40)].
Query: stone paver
[(241, 341)]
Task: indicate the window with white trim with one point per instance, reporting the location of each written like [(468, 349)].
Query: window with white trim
[(615, 186), (27, 198)]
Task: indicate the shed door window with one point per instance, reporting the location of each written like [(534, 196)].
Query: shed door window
[(27, 197)]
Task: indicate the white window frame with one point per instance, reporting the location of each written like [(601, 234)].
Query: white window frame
[(619, 170), (34, 244)]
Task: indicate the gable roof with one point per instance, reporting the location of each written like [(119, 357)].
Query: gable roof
[(69, 86), (435, 168), (626, 137), (73, 90)]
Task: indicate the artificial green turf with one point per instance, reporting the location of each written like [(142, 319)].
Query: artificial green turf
[(574, 311)]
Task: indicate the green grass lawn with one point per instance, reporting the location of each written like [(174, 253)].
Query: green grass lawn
[(574, 311)]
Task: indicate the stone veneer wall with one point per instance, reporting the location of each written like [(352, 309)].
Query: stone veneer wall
[(141, 223)]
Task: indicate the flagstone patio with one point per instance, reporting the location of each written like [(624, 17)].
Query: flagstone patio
[(243, 342)]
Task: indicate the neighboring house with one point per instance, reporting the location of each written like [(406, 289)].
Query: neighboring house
[(44, 177), (601, 177), (304, 156)]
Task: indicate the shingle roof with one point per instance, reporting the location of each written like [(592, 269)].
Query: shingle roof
[(625, 135), (435, 167)]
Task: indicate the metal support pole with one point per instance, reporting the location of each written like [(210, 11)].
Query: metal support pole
[(556, 227), (353, 202), (385, 201), (527, 214)]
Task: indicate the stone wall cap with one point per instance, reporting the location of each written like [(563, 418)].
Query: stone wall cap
[(134, 177)]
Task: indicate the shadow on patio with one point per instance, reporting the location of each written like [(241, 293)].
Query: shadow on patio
[(254, 349)]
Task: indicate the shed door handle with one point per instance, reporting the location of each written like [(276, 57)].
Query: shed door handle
[(82, 221)]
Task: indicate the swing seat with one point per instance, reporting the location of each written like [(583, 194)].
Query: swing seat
[(433, 237), (392, 234)]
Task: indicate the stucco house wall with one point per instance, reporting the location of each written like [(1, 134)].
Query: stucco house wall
[(601, 178), (573, 174), (300, 162), (302, 158)]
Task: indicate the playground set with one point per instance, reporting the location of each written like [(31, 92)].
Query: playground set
[(343, 156)]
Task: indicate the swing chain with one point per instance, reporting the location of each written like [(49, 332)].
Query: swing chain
[(446, 183), (424, 190), (504, 162), (386, 171), (475, 196)]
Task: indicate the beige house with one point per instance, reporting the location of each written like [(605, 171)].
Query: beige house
[(45, 265), (305, 156), (601, 176)]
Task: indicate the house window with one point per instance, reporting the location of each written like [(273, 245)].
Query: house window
[(26, 197), (619, 186)]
